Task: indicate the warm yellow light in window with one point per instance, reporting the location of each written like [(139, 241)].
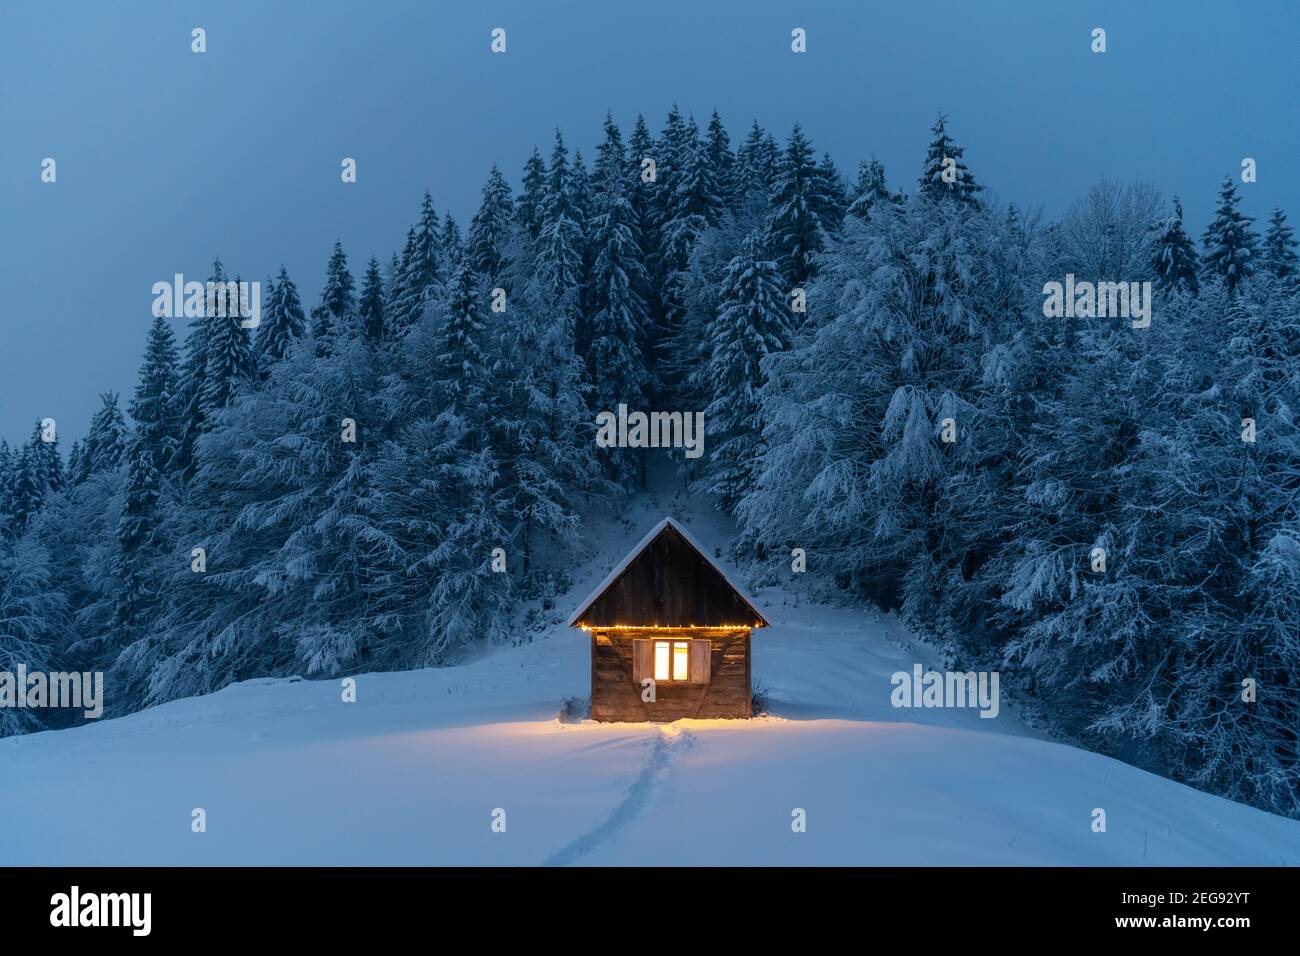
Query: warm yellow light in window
[(681, 660), (661, 660)]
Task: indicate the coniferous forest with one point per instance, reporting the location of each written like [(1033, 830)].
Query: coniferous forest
[(1108, 514)]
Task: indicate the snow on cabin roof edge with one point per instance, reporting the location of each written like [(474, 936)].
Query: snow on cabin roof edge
[(667, 522)]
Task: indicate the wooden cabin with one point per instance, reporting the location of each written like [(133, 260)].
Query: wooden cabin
[(670, 634)]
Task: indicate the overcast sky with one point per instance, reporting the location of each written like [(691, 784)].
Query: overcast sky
[(168, 158)]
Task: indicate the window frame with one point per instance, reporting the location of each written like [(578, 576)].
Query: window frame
[(672, 645)]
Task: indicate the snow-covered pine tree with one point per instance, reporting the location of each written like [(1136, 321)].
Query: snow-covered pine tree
[(645, 199), (856, 411), (193, 378), (944, 175), (546, 436), (796, 233), (32, 619), (721, 160), (832, 197), (1279, 247), (153, 405), (26, 491), (489, 231), (337, 299), (870, 189), (756, 166), (397, 324), (371, 307), (615, 354), (231, 363), (530, 207), (156, 438), (453, 246), (423, 269), (584, 206), (561, 241), (460, 366), (137, 543), (47, 461), (107, 442), (270, 316), (283, 322), (7, 462), (1175, 255), (752, 323), (692, 205), (1230, 245)]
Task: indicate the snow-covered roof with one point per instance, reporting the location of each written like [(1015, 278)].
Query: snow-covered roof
[(645, 543)]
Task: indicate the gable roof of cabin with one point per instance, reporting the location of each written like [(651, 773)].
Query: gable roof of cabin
[(641, 547)]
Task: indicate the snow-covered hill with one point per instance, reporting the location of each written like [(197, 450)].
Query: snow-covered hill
[(413, 771)]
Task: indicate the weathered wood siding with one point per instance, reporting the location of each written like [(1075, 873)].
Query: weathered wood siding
[(615, 697), (669, 585)]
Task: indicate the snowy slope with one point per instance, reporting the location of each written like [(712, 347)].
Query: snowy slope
[(411, 773)]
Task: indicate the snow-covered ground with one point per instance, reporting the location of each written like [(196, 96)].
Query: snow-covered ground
[(413, 771)]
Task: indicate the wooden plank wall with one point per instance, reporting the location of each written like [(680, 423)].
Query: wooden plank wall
[(614, 696)]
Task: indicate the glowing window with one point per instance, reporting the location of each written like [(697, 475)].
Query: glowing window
[(662, 653), (672, 660)]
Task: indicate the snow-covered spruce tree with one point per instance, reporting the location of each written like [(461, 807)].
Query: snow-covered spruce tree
[(283, 322), (32, 618), (539, 409), (469, 601), (106, 443), (615, 354), (191, 388), (452, 244), (530, 207), (721, 160), (459, 367), (270, 316), (858, 411), (25, 490), (796, 232), (46, 461), (396, 288), (371, 307), (137, 555), (6, 472), (1212, 542), (756, 167), (694, 207), (870, 189), (281, 506), (944, 175), (832, 197), (1175, 255), (559, 246), (157, 435), (438, 485), (645, 195), (338, 302), (231, 363), (752, 323), (423, 270), (489, 231), (1230, 245), (1279, 247)]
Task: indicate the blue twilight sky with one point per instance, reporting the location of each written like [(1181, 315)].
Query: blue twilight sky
[(167, 158)]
